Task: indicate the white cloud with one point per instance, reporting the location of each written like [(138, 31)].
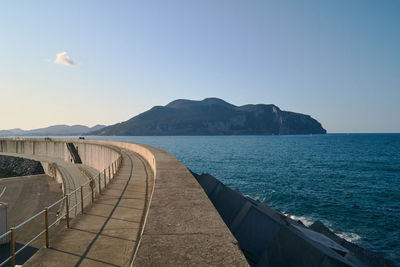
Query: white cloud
[(64, 59)]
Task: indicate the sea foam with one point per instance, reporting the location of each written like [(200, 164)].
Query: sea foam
[(351, 237), (307, 221)]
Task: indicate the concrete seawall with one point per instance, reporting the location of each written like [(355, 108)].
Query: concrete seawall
[(181, 225)]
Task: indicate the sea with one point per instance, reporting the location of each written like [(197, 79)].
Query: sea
[(350, 182)]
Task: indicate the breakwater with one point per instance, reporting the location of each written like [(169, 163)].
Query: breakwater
[(269, 238)]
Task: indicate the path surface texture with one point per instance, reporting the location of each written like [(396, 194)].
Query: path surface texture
[(107, 233)]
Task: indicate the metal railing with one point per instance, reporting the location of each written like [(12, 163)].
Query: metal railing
[(111, 170)]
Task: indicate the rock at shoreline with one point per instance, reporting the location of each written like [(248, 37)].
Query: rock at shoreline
[(270, 238), (365, 256)]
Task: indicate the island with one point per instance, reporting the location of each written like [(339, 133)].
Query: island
[(213, 116)]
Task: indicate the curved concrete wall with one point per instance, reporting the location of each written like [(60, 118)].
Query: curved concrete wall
[(50, 152), (147, 152), (94, 155)]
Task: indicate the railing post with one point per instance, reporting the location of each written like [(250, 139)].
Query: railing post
[(82, 198), (109, 171), (99, 183), (46, 223), (105, 181), (113, 170), (92, 183), (12, 246), (67, 205)]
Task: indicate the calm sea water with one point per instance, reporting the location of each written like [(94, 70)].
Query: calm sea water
[(349, 182)]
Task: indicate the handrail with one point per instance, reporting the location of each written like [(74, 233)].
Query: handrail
[(55, 203), (5, 261), (28, 220), (111, 174), (5, 234)]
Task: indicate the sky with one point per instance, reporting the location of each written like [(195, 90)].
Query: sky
[(103, 62)]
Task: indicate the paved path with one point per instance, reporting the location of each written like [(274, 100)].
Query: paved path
[(107, 234)]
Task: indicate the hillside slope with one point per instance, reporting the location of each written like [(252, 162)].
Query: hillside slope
[(52, 130)]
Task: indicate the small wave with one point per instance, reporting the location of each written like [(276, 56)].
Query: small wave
[(348, 236), (351, 237), (307, 221), (256, 198)]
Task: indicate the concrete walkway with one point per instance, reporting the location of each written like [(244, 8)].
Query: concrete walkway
[(107, 233)]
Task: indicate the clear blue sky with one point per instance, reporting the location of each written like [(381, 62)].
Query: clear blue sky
[(338, 61)]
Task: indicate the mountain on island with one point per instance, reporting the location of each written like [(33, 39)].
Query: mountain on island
[(52, 130), (213, 116)]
